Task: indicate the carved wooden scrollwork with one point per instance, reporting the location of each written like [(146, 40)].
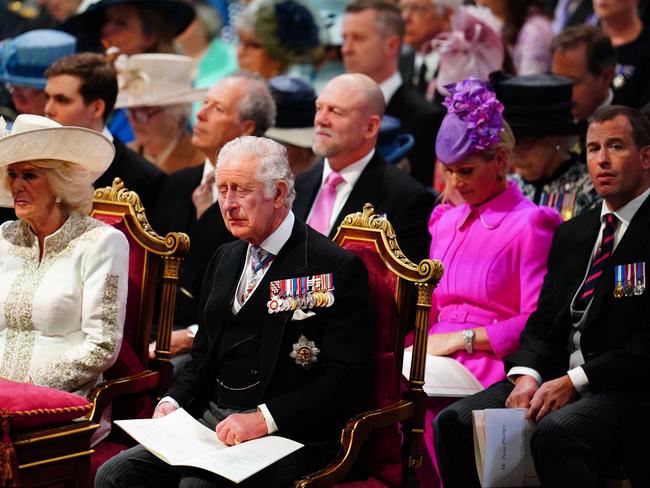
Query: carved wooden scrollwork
[(427, 269)]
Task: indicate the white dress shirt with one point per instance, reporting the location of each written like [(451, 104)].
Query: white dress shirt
[(390, 85)]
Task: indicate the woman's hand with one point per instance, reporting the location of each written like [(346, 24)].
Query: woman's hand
[(445, 343)]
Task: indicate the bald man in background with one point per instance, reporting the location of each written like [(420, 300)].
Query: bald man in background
[(348, 115)]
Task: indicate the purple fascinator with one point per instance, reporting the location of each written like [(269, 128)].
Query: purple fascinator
[(473, 121)]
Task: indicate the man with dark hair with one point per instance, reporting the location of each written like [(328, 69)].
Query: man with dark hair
[(81, 91), (238, 105), (586, 55), (582, 369), (372, 36)]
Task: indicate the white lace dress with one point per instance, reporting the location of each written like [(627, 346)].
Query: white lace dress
[(61, 317)]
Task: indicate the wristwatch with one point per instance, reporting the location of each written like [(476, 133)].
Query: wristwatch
[(468, 335)]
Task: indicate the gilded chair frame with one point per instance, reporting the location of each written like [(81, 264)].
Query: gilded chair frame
[(415, 284), (118, 201)]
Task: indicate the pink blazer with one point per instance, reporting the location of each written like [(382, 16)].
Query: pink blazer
[(495, 260)]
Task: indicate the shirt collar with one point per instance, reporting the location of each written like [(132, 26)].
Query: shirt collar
[(492, 212), (107, 133), (626, 213), (207, 169), (390, 85), (279, 237), (350, 173)]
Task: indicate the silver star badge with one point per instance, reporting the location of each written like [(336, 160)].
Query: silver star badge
[(304, 352)]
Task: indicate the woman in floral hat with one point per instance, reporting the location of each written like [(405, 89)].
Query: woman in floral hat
[(275, 34), (494, 246)]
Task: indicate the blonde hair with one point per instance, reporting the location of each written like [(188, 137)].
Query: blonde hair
[(68, 181)]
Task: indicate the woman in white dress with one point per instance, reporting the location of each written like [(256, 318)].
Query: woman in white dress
[(63, 274)]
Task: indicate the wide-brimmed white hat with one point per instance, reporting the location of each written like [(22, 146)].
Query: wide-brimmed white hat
[(156, 80), (33, 138)]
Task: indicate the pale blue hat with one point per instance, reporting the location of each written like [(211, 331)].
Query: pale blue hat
[(24, 59)]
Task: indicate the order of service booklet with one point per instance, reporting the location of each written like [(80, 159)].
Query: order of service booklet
[(502, 447), (444, 376), (180, 440)]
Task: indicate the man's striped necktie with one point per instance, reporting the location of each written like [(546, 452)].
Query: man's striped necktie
[(598, 263)]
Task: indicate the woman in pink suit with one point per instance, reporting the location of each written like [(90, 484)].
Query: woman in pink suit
[(494, 246)]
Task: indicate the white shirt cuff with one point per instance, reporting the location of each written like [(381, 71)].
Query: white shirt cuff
[(522, 370), (192, 330), (268, 418), (579, 379), (170, 400)]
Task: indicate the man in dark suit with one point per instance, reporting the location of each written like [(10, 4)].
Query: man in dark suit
[(348, 114), (238, 105), (582, 370), (267, 359), (81, 90), (423, 21), (372, 35)]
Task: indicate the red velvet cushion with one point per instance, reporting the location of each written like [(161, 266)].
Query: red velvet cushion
[(26, 405)]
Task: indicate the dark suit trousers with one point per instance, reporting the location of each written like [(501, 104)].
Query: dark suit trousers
[(571, 446), (138, 468)]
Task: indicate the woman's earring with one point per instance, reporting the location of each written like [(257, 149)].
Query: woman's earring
[(57, 199), (557, 147)]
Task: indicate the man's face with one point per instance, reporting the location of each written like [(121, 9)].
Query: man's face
[(341, 119), (65, 103), (218, 121), (27, 100), (605, 9), (422, 21), (589, 90), (247, 212), (365, 49), (618, 170), (60, 9)]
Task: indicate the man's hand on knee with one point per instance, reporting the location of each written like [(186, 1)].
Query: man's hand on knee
[(240, 427), (552, 395), (525, 388)]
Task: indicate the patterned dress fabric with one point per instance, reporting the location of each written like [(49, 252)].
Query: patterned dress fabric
[(571, 180), (62, 316)]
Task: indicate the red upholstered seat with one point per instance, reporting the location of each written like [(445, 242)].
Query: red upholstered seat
[(374, 451), (26, 407)]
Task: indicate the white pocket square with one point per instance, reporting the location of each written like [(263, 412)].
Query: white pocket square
[(300, 315)]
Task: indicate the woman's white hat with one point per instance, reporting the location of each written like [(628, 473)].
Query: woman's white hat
[(156, 80), (33, 137)]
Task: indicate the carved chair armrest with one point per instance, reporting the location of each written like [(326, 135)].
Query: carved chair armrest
[(104, 393), (353, 435)]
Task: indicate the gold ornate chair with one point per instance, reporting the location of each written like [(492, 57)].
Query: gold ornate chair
[(133, 383), (373, 449)]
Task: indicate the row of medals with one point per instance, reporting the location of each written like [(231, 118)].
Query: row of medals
[(635, 286), (309, 300)]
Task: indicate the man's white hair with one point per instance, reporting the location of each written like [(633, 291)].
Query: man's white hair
[(272, 163)]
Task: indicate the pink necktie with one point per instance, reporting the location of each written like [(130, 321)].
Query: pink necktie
[(322, 210)]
